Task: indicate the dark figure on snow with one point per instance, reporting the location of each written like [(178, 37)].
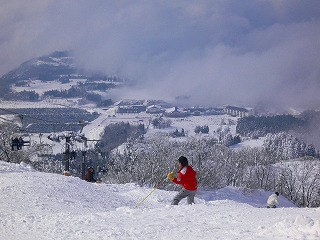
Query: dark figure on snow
[(89, 176), (15, 144), (186, 178), (273, 200)]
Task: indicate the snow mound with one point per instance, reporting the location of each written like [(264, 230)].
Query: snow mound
[(255, 198), (35, 205)]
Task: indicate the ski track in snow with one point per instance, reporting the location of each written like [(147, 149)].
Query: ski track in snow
[(37, 205)]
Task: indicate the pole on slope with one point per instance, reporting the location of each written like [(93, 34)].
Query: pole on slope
[(83, 164), (67, 157), (156, 187)]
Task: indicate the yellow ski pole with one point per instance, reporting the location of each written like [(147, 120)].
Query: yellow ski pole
[(160, 183)]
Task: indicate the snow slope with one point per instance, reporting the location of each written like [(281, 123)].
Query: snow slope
[(35, 205)]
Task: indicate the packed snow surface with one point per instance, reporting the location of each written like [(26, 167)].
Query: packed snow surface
[(36, 205)]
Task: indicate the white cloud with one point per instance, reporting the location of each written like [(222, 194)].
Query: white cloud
[(213, 51)]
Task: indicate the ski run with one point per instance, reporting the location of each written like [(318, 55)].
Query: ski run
[(37, 205)]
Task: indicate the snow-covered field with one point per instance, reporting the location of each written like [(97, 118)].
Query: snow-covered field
[(35, 205), (40, 86), (95, 129)]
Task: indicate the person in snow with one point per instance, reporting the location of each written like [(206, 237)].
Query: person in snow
[(186, 178), (273, 200), (89, 176)]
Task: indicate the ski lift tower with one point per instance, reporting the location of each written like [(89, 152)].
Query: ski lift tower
[(84, 157), (67, 156), (67, 153)]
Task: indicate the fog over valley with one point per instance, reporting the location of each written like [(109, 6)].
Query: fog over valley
[(207, 52)]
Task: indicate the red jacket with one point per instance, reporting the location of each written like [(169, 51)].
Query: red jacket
[(187, 178)]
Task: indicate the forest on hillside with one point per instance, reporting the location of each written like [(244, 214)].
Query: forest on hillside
[(305, 126)]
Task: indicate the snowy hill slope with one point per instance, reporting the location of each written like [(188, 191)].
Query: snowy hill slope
[(47, 67), (35, 205)]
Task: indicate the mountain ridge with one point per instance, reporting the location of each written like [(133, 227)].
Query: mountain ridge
[(47, 67)]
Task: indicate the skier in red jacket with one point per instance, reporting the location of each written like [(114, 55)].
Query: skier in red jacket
[(186, 178)]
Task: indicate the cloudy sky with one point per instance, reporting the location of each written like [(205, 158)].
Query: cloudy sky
[(203, 51)]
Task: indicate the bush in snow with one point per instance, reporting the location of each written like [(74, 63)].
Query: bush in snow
[(201, 129), (161, 122)]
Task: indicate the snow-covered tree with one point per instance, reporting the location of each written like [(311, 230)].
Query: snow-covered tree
[(299, 181), (227, 140), (285, 146)]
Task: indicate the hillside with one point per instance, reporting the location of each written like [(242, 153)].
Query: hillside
[(37, 205), (47, 67), (55, 75)]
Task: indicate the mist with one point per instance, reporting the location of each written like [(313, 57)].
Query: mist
[(207, 52)]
